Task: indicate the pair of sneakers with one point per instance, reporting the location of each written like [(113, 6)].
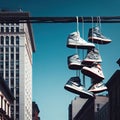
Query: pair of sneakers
[(90, 66), (94, 36), (74, 85)]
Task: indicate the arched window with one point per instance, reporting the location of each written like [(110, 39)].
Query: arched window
[(17, 40), (12, 29), (2, 40), (12, 40), (7, 29), (7, 40)]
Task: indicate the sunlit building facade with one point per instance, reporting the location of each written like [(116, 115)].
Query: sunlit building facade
[(16, 49)]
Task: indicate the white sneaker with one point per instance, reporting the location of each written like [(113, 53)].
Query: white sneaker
[(74, 86), (74, 62), (75, 41), (94, 72), (98, 87), (95, 36), (92, 56)]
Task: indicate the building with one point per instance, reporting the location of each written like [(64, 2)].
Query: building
[(81, 109), (114, 95), (6, 99), (75, 107), (16, 48), (103, 113), (101, 107), (88, 109), (35, 111)]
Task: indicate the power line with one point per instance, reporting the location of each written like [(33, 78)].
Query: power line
[(91, 19)]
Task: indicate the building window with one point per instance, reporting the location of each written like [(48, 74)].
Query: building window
[(12, 82), (1, 73), (12, 65), (17, 100), (12, 56), (2, 29), (1, 56), (7, 65), (12, 40), (7, 29), (17, 49), (7, 57), (12, 73), (7, 49), (17, 56), (98, 107), (2, 40), (7, 40), (1, 65), (17, 82), (12, 29), (1, 49), (12, 49), (17, 64), (17, 29), (12, 91), (17, 73), (7, 73), (17, 91), (17, 40)]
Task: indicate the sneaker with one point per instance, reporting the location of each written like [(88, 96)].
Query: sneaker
[(94, 72), (75, 41), (74, 86), (95, 36), (74, 62), (92, 57), (98, 87)]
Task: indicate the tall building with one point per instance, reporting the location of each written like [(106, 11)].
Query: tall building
[(16, 48)]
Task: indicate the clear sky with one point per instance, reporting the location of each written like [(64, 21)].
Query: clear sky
[(50, 70)]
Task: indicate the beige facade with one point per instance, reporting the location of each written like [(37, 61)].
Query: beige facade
[(16, 49)]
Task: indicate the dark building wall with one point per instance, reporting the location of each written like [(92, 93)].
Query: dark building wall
[(114, 95), (87, 111)]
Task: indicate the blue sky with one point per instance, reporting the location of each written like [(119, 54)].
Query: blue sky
[(50, 70)]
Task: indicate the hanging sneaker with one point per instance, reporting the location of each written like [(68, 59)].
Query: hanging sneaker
[(74, 86), (95, 36), (98, 87), (75, 41), (92, 56), (74, 62), (94, 72)]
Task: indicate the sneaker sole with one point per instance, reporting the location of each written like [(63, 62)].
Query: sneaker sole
[(73, 66), (76, 91), (98, 40), (89, 62), (75, 45), (89, 73), (98, 91)]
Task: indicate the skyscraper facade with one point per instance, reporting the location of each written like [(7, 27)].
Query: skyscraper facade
[(16, 48)]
